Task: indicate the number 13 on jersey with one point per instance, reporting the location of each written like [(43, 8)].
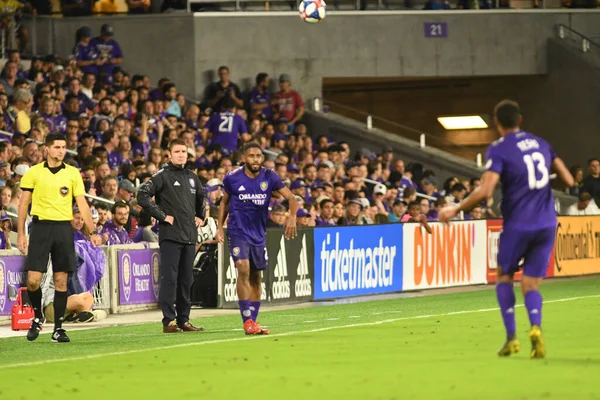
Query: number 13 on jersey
[(537, 171)]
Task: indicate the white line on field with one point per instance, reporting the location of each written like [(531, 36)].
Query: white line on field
[(329, 328), (354, 316), (387, 312), (309, 322), (333, 319)]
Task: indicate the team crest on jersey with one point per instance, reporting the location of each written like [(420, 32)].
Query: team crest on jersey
[(192, 183), (236, 251), (263, 186), (64, 191)]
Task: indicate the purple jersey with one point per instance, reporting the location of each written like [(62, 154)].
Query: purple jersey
[(78, 235), (523, 161), (258, 97), (225, 127), (86, 53), (249, 200), (2, 241), (406, 182), (108, 50), (115, 235), (115, 159)]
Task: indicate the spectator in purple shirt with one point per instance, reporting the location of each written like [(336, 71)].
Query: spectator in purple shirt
[(84, 53), (115, 229), (428, 186), (406, 181), (325, 217), (440, 203), (5, 228), (108, 50), (261, 104), (110, 141), (85, 103), (77, 224)]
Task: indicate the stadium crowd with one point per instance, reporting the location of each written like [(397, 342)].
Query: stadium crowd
[(117, 128)]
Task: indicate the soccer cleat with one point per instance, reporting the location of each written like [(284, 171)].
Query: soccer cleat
[(84, 317), (34, 329), (511, 346), (252, 328), (538, 349), (71, 317), (60, 336), (262, 331)]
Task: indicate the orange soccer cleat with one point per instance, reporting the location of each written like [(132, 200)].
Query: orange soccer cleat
[(251, 328), (261, 330)]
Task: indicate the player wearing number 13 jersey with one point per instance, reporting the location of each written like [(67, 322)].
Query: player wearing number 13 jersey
[(522, 163)]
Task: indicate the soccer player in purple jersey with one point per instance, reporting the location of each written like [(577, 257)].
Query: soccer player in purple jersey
[(521, 162), (247, 194)]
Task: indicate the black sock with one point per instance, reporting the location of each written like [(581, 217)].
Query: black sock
[(35, 298), (60, 305)]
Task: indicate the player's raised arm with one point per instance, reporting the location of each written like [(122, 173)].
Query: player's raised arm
[(489, 180), (223, 210), (290, 229), (563, 173)]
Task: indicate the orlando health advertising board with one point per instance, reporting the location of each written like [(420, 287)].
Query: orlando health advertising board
[(357, 260)]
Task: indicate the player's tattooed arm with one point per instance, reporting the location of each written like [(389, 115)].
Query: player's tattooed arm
[(290, 229)]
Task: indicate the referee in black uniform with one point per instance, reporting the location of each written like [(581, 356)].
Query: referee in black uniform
[(179, 208), (50, 188)]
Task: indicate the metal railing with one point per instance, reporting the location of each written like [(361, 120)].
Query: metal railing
[(373, 121), (585, 43)]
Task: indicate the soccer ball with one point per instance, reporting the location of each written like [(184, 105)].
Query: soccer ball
[(312, 11)]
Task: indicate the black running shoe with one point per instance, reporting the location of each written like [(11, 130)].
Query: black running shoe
[(34, 329), (71, 318), (85, 316), (60, 336)]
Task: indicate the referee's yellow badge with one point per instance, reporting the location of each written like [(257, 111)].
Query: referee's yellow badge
[(64, 191)]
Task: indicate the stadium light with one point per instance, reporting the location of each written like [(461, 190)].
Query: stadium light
[(463, 122)]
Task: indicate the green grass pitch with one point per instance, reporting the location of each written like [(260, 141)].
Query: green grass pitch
[(433, 347)]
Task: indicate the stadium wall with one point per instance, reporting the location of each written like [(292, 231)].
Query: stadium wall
[(189, 48), (570, 102), (336, 262)]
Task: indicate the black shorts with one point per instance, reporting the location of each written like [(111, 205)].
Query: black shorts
[(51, 239)]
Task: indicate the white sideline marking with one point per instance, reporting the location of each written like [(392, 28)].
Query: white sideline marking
[(387, 312), (333, 319), (354, 316), (329, 328)]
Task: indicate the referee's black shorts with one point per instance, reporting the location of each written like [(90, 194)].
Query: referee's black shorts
[(51, 238)]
